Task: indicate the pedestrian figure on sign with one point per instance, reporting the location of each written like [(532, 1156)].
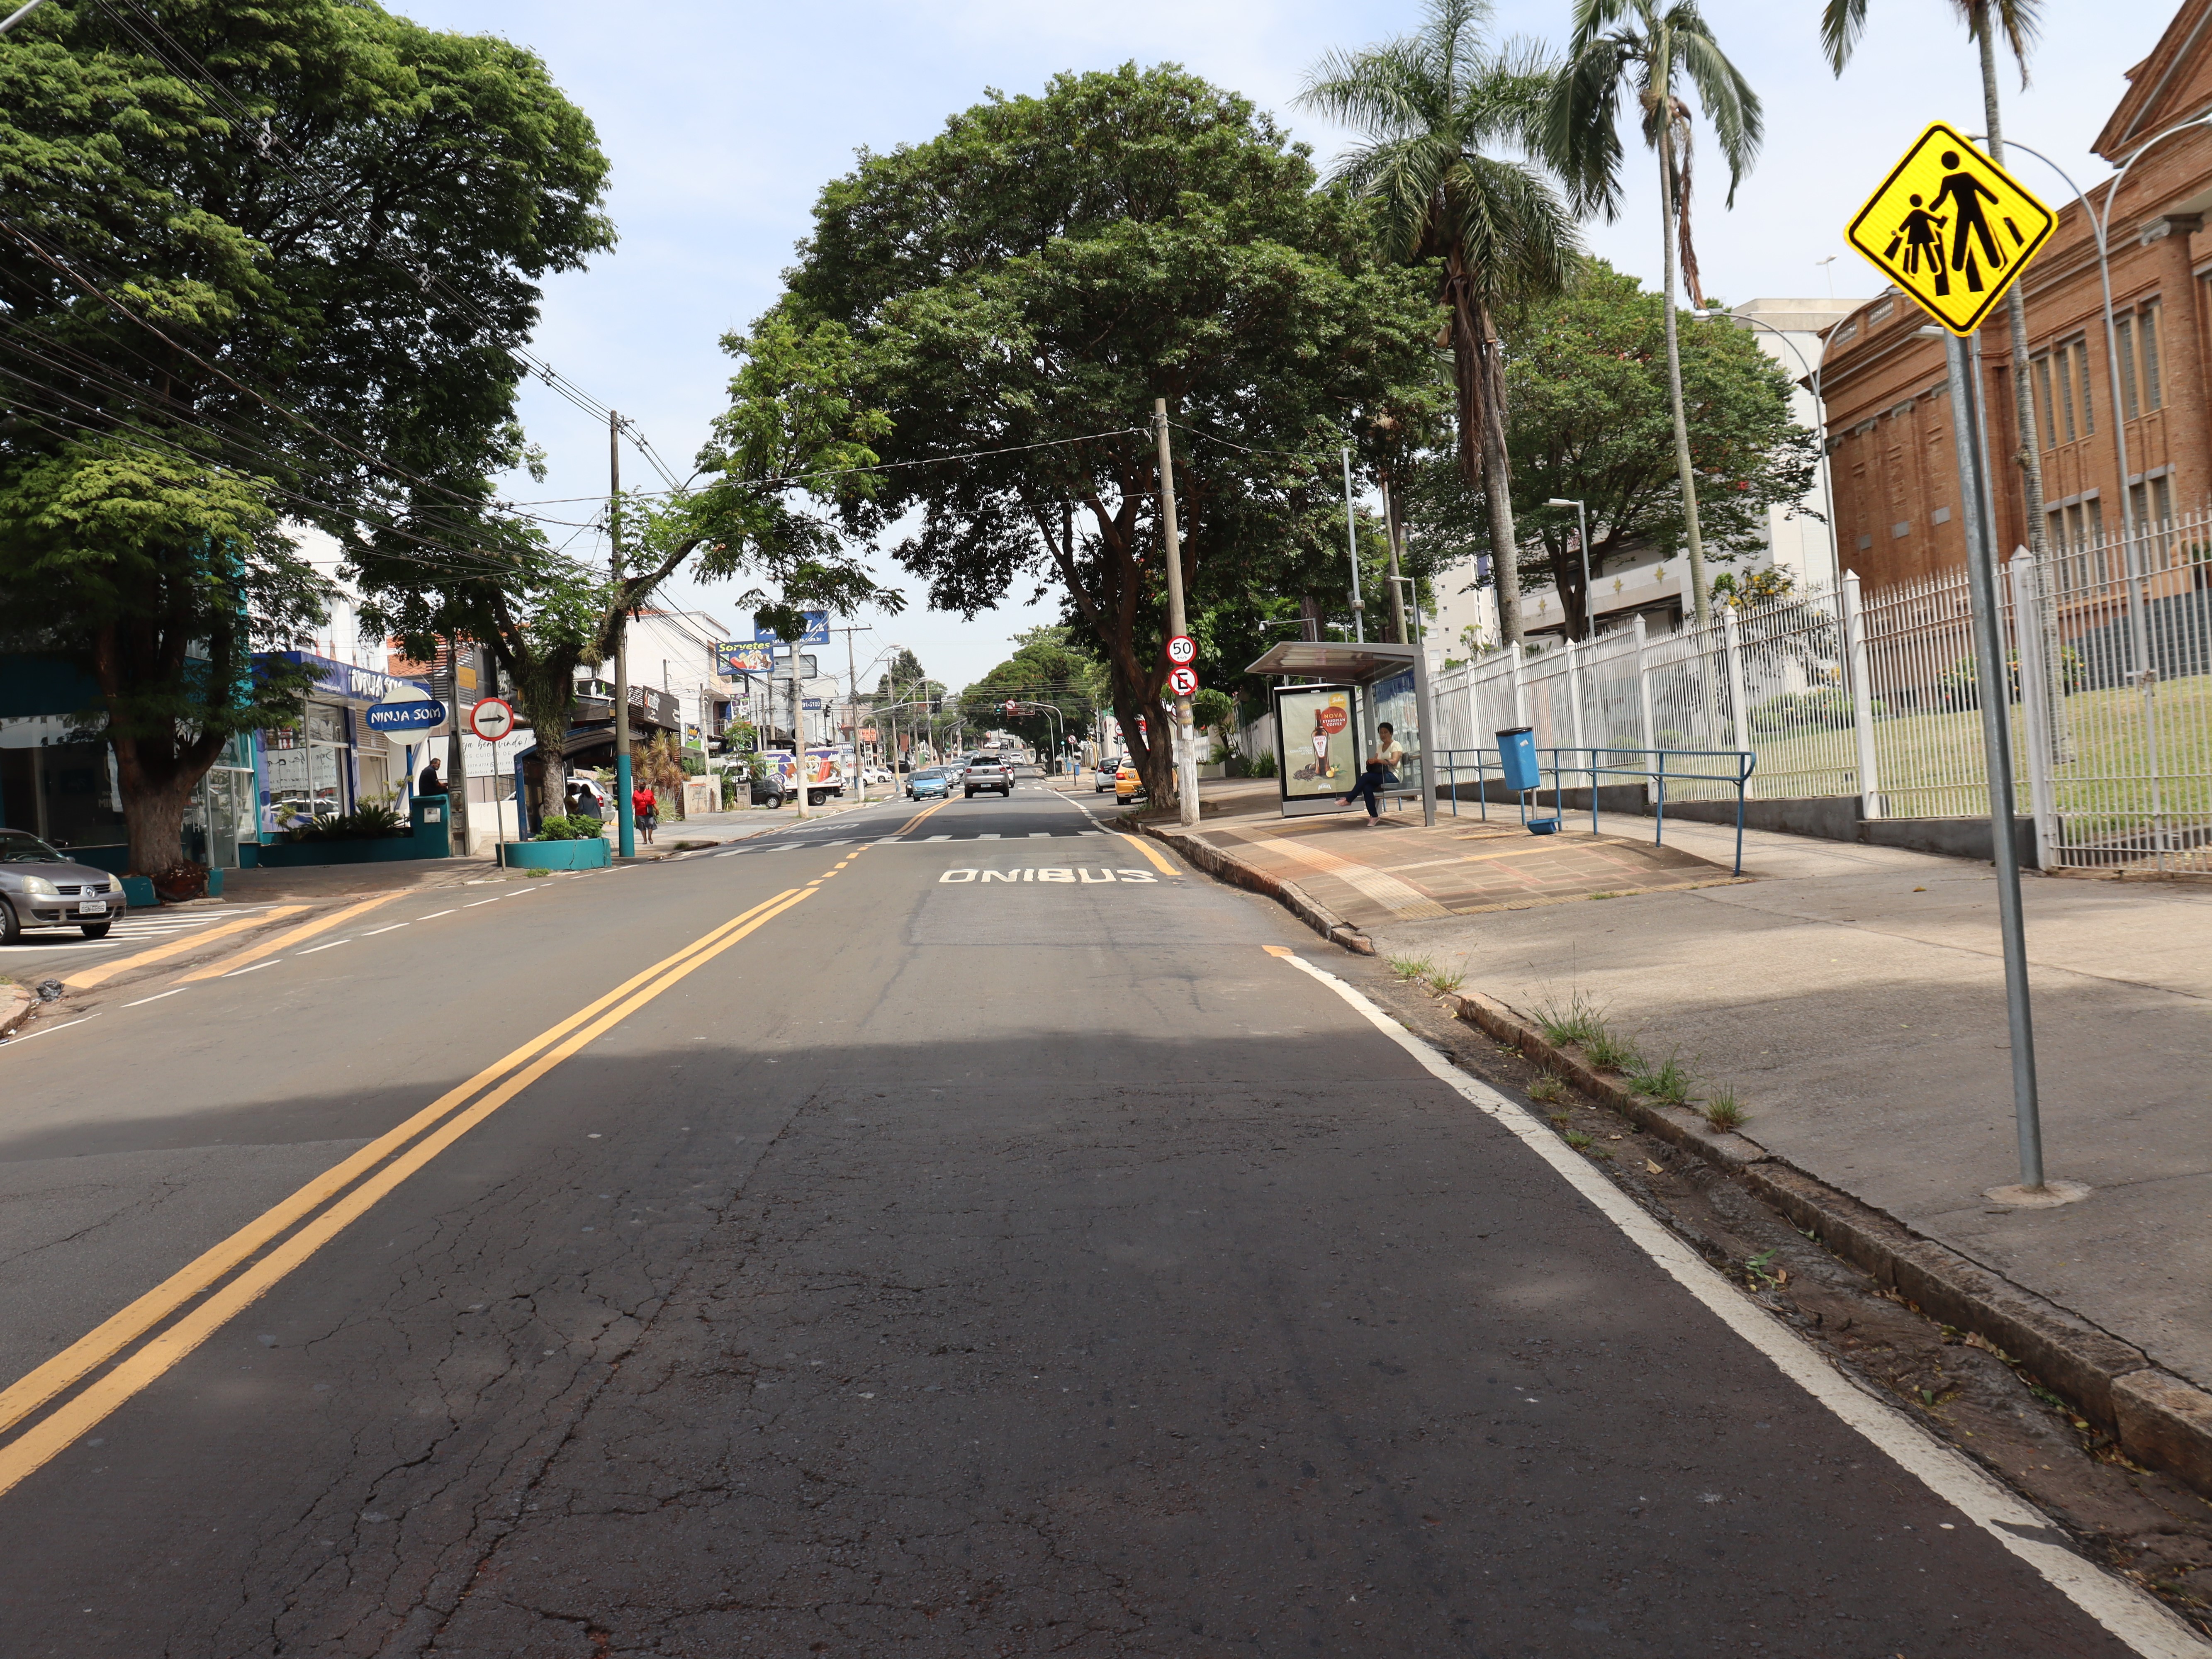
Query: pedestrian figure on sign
[(1965, 194), (1922, 233)]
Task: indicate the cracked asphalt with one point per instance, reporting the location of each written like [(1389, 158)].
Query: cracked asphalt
[(956, 1267)]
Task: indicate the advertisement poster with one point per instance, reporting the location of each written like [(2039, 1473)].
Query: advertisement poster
[(1320, 738)]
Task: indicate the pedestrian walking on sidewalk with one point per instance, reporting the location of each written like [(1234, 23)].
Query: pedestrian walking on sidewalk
[(646, 808)]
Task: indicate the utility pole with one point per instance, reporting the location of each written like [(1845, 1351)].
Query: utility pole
[(626, 816), (798, 737), (457, 756), (1185, 749), (853, 692)]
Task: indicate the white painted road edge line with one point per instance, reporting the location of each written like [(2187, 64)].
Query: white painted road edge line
[(47, 1030), (332, 945), (394, 928), (255, 968), (2130, 1614), (157, 996), (434, 915)]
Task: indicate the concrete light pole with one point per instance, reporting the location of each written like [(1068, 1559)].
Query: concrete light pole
[(1186, 751), (626, 816)]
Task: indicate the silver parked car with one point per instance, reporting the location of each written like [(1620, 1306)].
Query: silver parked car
[(40, 888)]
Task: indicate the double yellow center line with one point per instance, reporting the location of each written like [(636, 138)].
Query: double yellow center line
[(167, 1322)]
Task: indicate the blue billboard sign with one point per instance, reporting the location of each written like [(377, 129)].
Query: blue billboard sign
[(818, 630), (406, 717)]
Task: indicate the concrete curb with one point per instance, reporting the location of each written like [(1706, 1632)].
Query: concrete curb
[(2157, 1418), (17, 1002), (1222, 867)]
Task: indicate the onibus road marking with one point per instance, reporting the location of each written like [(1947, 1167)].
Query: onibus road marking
[(2129, 1614), (1065, 876), (239, 1271)]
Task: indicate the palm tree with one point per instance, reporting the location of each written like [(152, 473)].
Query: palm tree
[(1427, 105), (1618, 44), (1841, 21)]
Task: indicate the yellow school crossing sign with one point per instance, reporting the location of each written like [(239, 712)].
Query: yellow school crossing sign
[(1951, 227)]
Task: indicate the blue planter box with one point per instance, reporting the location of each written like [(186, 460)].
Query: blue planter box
[(139, 893), (430, 838), (592, 852)]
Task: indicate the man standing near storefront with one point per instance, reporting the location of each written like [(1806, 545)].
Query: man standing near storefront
[(430, 783)]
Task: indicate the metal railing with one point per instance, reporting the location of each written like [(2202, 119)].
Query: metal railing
[(1651, 766), (1872, 696)]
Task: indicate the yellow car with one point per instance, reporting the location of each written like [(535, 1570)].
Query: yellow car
[(1128, 782)]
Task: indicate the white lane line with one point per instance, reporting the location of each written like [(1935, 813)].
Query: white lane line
[(2129, 1614), (332, 945), (255, 968), (473, 904), (434, 915), (394, 928), (157, 996), (941, 838), (47, 1030)]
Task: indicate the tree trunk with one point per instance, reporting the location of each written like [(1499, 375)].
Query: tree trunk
[(153, 820), (1693, 543), (2030, 453), (1479, 369)]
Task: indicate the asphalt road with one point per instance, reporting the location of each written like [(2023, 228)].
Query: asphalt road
[(990, 1247)]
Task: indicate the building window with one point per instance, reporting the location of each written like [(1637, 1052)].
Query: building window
[(2079, 353), (2039, 385), (2153, 387), (2123, 335)]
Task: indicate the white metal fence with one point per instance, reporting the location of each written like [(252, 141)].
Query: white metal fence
[(1872, 695)]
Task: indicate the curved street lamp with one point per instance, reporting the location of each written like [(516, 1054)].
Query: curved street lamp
[(1820, 418)]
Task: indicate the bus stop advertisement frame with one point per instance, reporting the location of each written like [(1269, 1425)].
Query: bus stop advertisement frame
[(1354, 669)]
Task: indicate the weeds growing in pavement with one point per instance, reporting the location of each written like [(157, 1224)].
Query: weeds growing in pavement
[(1444, 982), (1666, 1082), (1579, 1141), (1412, 967), (1577, 1020), (1723, 1111), (1609, 1052), (1547, 1088)]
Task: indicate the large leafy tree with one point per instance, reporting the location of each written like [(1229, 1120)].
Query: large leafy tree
[(162, 578), (1046, 668), (1433, 106), (1653, 51), (1026, 283), (791, 446), (1590, 423), (281, 249)]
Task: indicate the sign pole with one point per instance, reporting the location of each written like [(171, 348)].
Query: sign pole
[(625, 817), (1991, 687)]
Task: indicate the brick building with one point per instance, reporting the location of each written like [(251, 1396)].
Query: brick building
[(1883, 382)]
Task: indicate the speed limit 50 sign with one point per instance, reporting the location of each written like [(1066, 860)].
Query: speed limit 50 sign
[(1183, 650)]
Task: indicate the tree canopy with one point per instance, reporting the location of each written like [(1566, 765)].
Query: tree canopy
[(1591, 422), (1022, 288), (261, 262)]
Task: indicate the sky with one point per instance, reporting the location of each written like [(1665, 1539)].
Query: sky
[(722, 122)]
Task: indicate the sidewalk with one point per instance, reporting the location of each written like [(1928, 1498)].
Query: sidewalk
[(1853, 996)]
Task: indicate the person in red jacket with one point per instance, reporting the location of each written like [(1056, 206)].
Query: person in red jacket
[(646, 809)]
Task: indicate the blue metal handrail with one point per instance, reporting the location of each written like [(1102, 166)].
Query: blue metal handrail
[(1593, 762)]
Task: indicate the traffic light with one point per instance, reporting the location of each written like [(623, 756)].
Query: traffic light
[(937, 705)]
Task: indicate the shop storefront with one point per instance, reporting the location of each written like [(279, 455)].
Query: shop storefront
[(331, 763)]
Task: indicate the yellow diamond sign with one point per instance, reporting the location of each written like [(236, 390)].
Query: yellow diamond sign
[(1951, 227)]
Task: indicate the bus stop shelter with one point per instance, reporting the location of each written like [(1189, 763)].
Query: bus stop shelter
[(1332, 698)]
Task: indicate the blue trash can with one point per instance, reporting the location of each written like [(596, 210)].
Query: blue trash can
[(1516, 754)]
